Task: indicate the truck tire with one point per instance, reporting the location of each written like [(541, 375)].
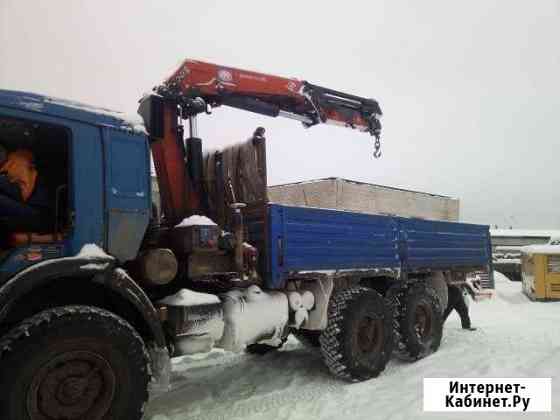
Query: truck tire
[(437, 282), (73, 362), (418, 322), (358, 340)]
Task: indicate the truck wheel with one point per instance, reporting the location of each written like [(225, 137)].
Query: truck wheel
[(358, 340), (73, 362), (438, 284), (419, 323)]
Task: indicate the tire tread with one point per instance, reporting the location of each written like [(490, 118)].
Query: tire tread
[(39, 322), (331, 339)]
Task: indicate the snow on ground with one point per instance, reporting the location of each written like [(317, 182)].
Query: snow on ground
[(515, 338)]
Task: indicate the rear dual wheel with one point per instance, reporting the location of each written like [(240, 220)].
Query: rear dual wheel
[(358, 340), (418, 322), (363, 328)]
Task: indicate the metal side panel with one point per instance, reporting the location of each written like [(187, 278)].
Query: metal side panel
[(127, 191), (256, 232), (309, 239), (435, 244)]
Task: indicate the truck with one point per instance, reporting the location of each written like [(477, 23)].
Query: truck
[(100, 292)]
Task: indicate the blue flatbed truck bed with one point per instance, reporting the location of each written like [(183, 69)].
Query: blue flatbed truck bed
[(305, 239)]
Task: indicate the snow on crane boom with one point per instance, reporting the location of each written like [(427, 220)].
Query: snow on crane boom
[(268, 95)]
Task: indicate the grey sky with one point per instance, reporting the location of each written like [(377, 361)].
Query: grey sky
[(469, 90)]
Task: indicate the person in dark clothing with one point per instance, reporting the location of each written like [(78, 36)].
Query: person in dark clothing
[(456, 301)]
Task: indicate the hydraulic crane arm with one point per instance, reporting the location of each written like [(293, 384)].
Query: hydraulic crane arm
[(197, 87), (269, 95)]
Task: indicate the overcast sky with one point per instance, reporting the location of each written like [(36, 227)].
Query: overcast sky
[(469, 89)]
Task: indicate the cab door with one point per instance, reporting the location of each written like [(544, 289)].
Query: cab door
[(127, 191)]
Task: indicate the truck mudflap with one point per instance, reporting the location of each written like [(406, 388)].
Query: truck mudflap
[(119, 281), (160, 370)]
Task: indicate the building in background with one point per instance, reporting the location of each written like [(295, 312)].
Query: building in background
[(507, 244)]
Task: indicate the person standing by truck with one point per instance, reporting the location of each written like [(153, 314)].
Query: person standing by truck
[(457, 302)]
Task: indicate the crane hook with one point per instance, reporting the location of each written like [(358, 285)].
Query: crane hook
[(377, 147)]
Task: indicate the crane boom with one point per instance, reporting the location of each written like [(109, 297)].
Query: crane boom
[(196, 87), (270, 95)]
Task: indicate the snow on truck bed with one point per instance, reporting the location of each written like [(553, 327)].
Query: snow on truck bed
[(515, 338)]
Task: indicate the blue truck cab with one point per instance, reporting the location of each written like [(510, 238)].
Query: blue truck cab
[(100, 291), (103, 170)]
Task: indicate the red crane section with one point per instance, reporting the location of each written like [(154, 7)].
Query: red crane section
[(271, 95), (197, 87)]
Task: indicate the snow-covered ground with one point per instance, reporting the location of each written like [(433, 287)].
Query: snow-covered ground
[(515, 338)]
